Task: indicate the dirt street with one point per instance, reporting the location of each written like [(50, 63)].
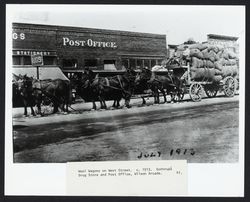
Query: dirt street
[(201, 132)]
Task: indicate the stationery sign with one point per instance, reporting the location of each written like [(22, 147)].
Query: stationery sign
[(37, 60)]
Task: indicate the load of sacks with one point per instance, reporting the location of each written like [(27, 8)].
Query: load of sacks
[(210, 62)]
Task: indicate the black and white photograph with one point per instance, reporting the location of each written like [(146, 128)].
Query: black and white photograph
[(126, 83), (83, 90)]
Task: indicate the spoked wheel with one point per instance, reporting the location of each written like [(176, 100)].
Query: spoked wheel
[(211, 90), (237, 84), (195, 92), (229, 86)]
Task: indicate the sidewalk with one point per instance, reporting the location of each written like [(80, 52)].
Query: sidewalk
[(83, 110)]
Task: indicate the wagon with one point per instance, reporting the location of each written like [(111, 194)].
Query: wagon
[(196, 89)]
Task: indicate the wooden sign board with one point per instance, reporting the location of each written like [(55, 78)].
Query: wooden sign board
[(37, 60)]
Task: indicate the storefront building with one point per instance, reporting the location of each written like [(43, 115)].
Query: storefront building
[(75, 48), (228, 42)]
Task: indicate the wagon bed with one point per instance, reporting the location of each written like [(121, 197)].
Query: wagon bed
[(195, 89)]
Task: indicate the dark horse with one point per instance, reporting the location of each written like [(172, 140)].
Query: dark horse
[(82, 83), (57, 91), (116, 88), (93, 88), (24, 86), (141, 82), (168, 82)]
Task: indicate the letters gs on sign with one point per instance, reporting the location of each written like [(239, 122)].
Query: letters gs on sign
[(18, 36), (37, 60), (89, 43)]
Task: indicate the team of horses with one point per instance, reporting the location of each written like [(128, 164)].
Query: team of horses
[(91, 88)]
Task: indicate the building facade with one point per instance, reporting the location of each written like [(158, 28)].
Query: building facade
[(228, 42), (75, 48)]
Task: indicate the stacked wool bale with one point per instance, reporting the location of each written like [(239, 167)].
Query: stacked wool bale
[(210, 62)]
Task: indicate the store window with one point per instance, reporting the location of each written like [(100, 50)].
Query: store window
[(125, 64), (109, 61), (70, 63), (159, 62), (139, 63), (109, 65), (48, 60), (153, 63), (90, 62), (21, 60), (147, 63), (16, 60), (132, 63), (26, 60)]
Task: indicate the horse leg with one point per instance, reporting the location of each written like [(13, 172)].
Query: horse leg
[(94, 105), (114, 104), (118, 103), (32, 110), (172, 97), (164, 95), (143, 100), (39, 108), (157, 97), (25, 110), (25, 107), (55, 108), (127, 103), (103, 104)]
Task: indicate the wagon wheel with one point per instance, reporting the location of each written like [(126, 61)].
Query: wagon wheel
[(211, 90), (229, 86), (237, 84), (195, 92)]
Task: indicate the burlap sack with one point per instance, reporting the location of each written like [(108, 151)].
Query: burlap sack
[(181, 47), (218, 72), (198, 46), (232, 55), (230, 70), (218, 66), (204, 63), (210, 64), (205, 54), (222, 61), (201, 65), (212, 55), (225, 55), (217, 78), (196, 53), (216, 49), (231, 62), (202, 74), (195, 62)]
